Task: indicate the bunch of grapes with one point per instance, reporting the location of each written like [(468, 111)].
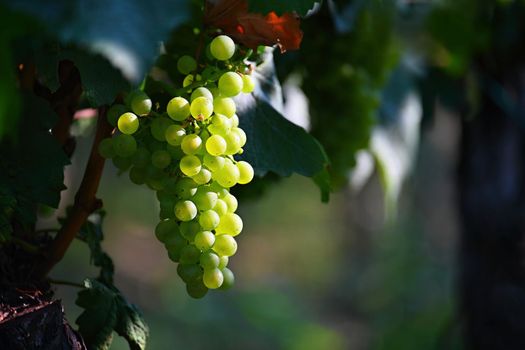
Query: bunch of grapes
[(185, 152)]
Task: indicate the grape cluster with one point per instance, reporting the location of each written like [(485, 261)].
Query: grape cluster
[(185, 153)]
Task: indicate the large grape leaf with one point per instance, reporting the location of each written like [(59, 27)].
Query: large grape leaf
[(105, 311), (127, 32), (281, 6)]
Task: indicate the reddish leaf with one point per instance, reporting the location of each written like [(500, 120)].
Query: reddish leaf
[(252, 29)]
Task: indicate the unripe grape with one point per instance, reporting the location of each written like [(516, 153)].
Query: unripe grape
[(222, 47), (159, 127), (174, 134), (189, 272), (190, 165), (178, 108), (189, 79), (224, 106), (141, 158), (137, 175), (228, 176), (201, 108), (160, 159), (216, 145), (185, 210), (241, 135), (165, 229), (175, 249), (225, 245), (201, 92), (124, 145), (230, 224), (114, 112), (209, 220), (121, 163), (245, 172), (228, 279), (248, 84), (185, 188), (214, 163), (186, 64), (189, 229), (191, 144), (204, 240), (231, 202), (205, 200), (223, 262), (140, 103), (221, 207), (209, 260), (203, 177), (230, 84), (235, 121), (213, 278), (105, 148), (196, 290), (233, 143), (190, 255)]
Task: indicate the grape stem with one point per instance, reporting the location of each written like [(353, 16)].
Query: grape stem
[(85, 200)]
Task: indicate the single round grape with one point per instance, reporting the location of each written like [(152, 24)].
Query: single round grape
[(185, 210), (241, 134), (216, 145), (191, 144), (204, 240), (235, 121), (213, 278), (122, 163), (223, 262), (221, 207), (124, 145), (186, 64), (231, 202), (230, 84), (233, 143), (214, 163), (174, 239), (228, 176), (160, 159), (105, 148), (166, 228), (141, 158), (174, 134), (228, 279), (225, 245), (166, 207), (155, 173), (114, 112), (248, 84), (155, 184), (230, 224), (222, 47), (174, 251), (175, 152), (209, 260), (189, 229), (205, 200), (190, 254), (190, 165), (201, 108), (224, 106), (185, 188), (220, 125), (209, 220), (159, 127), (201, 92), (245, 172), (189, 272), (196, 290), (178, 108), (203, 177), (138, 175), (221, 191), (140, 103)]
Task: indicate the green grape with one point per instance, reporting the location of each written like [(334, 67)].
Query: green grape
[(214, 91), (174, 240), (230, 224), (189, 79), (174, 134), (185, 210), (178, 108), (189, 229), (159, 127), (154, 144), (122, 163), (141, 158), (140, 103), (115, 112), (138, 175), (166, 208), (160, 159), (245, 172), (185, 188), (190, 165), (205, 200), (186, 64), (196, 290), (154, 173), (223, 262), (248, 84), (105, 148), (225, 245), (203, 177), (175, 152), (191, 144), (174, 251), (204, 240), (201, 108), (221, 191), (155, 184), (189, 272), (241, 134), (209, 260), (214, 163), (190, 254), (224, 106), (228, 176), (165, 229), (230, 84), (213, 278), (222, 47), (124, 145), (235, 121), (201, 92), (231, 202), (209, 220), (220, 207), (228, 279), (216, 145), (233, 142)]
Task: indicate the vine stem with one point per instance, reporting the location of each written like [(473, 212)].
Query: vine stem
[(85, 200), (65, 283)]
